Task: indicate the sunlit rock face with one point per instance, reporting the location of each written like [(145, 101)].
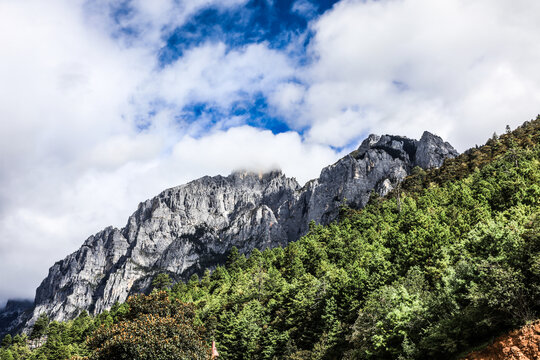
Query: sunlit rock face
[(182, 231), (377, 165), (192, 227)]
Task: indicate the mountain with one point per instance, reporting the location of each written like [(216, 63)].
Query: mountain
[(13, 311), (192, 227)]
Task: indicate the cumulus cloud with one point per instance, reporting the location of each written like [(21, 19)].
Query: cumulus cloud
[(252, 149), (140, 22), (211, 73), (458, 68)]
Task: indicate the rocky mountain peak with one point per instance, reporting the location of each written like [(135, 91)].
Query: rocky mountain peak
[(396, 146), (378, 164), (432, 150), (192, 227), (371, 140)]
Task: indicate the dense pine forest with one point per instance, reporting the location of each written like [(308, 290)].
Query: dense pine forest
[(440, 266)]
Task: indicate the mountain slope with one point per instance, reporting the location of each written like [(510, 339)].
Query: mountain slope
[(454, 265), (430, 273), (189, 228)]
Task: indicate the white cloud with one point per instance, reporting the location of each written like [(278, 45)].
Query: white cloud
[(252, 149), (148, 20), (212, 73), (458, 68), (288, 98), (304, 8)]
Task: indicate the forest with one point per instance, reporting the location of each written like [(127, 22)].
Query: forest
[(443, 264)]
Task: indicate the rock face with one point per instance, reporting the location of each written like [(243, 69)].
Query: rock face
[(432, 151), (181, 231), (189, 228), (377, 165)]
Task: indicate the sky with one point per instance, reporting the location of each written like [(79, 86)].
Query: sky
[(105, 103)]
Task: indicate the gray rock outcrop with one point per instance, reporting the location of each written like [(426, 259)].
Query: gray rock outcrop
[(181, 231), (432, 151), (189, 228)]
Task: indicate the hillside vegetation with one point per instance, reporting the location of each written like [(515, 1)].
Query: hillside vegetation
[(443, 264)]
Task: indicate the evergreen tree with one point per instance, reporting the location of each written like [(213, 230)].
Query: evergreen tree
[(18, 340), (6, 341), (6, 355), (40, 327), (161, 282)]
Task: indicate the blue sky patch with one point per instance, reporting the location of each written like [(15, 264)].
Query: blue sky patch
[(276, 23), (254, 110), (258, 115)]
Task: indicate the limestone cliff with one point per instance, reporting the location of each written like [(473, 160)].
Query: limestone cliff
[(189, 228)]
